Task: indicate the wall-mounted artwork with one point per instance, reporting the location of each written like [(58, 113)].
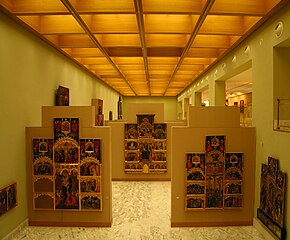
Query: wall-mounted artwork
[(214, 177), (271, 211), (62, 96), (145, 145), (67, 169), (8, 198), (99, 116)]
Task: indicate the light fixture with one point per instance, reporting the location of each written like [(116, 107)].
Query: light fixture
[(247, 51), (234, 59), (279, 29)]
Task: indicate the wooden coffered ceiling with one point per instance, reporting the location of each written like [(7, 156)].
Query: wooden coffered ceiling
[(143, 47)]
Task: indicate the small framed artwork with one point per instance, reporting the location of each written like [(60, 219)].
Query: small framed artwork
[(62, 96)]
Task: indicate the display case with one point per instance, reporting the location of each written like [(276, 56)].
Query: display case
[(282, 121)]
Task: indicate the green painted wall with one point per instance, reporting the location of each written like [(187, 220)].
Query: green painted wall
[(30, 72), (170, 105), (269, 58)]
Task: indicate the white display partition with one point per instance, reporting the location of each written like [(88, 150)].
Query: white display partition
[(211, 121), (84, 216), (118, 142)]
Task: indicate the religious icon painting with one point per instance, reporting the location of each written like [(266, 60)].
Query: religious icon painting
[(160, 131), (131, 156), (66, 187), (66, 150), (195, 187), (159, 156), (234, 166), (62, 96), (131, 145), (233, 201), (145, 125), (215, 143), (271, 211), (272, 167), (233, 187), (264, 171), (12, 196), (91, 185), (3, 201), (66, 127), (159, 145), (214, 191), (145, 150), (281, 179), (42, 148), (90, 167), (91, 148), (195, 166), (131, 131), (195, 202), (91, 202), (43, 166)]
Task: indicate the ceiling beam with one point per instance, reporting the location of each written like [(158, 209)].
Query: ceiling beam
[(140, 21), (198, 25), (74, 13)]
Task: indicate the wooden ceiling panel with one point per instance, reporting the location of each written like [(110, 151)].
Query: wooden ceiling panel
[(111, 23), (53, 24), (101, 6), (143, 47), (203, 53), (31, 21), (119, 40), (128, 60), (132, 67), (247, 7), (83, 52), (180, 6), (169, 23), (215, 24), (163, 60), (212, 41), (199, 61), (94, 61), (35, 6), (168, 40), (73, 41), (194, 67)]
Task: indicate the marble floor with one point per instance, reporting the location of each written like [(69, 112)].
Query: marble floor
[(141, 211)]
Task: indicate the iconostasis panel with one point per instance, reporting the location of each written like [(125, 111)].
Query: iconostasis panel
[(214, 178), (67, 169), (145, 146)]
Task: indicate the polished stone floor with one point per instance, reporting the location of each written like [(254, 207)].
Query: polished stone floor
[(141, 211)]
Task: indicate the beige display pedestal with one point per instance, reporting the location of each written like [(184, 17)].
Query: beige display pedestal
[(87, 130), (203, 121), (118, 142)]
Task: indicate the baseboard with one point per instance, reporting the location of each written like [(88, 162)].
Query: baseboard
[(17, 230), (70, 224), (260, 227), (211, 224), (141, 179)]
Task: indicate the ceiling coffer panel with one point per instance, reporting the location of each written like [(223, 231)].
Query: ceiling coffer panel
[(143, 47)]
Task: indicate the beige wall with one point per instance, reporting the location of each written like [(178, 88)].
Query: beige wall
[(30, 72), (170, 105), (267, 77)]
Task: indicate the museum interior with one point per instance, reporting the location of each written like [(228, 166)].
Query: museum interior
[(144, 119)]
